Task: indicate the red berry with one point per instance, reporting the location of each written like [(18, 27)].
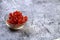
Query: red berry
[(17, 18), (26, 18)]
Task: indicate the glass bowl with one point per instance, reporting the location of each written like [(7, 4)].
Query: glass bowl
[(15, 27)]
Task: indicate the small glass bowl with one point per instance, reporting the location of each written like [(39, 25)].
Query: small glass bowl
[(15, 27)]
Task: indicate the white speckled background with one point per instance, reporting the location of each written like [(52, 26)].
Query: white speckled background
[(43, 23)]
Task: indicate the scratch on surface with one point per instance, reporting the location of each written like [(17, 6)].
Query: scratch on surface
[(47, 30)]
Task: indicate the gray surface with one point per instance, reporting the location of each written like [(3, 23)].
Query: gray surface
[(43, 23)]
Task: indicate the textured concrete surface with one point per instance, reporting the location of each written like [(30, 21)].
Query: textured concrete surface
[(43, 23)]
